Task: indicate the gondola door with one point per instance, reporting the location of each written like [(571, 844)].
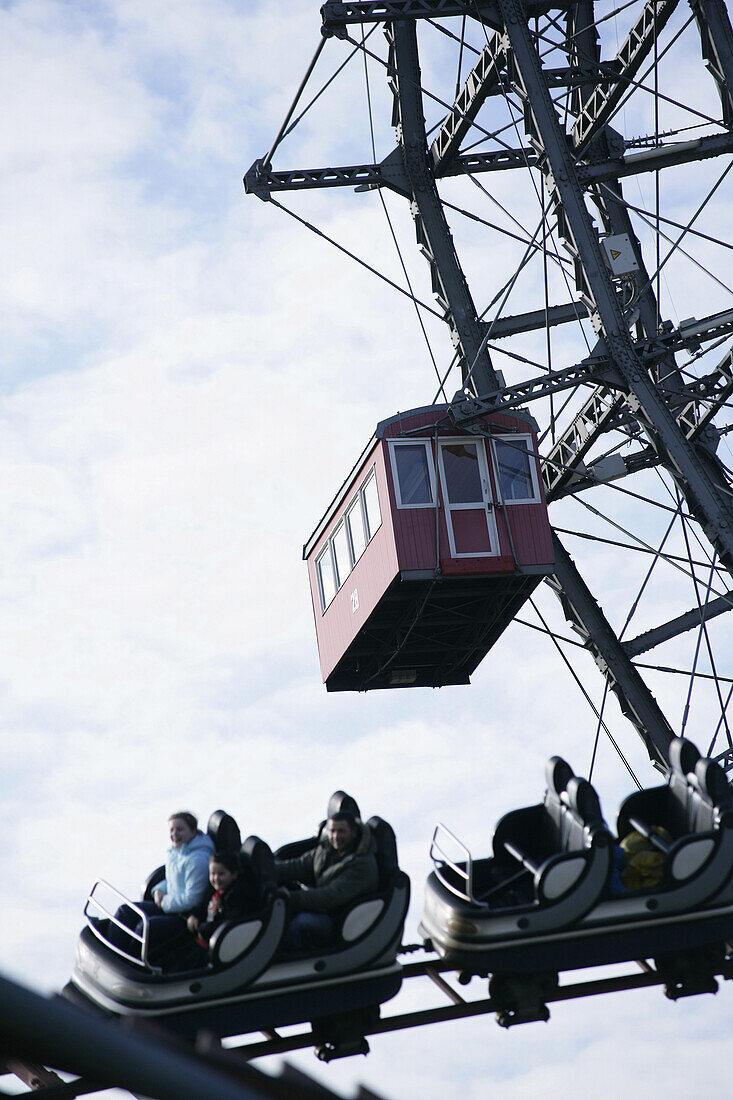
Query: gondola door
[(469, 509)]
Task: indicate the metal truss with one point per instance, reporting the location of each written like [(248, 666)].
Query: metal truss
[(337, 15), (603, 101), (456, 1006), (36, 1032), (703, 489), (633, 381), (697, 402), (716, 37), (481, 82), (262, 180), (433, 235)]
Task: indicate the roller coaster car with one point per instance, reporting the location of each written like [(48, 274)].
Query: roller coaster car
[(248, 983), (545, 901)]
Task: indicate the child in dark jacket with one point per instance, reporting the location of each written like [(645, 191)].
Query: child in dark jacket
[(230, 899)]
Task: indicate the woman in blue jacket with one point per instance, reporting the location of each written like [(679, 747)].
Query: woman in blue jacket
[(186, 867), (182, 890)]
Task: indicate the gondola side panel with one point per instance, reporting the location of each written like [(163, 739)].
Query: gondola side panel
[(531, 534), (371, 575)]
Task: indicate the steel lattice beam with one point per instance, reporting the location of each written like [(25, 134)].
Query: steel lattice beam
[(262, 180), (716, 38), (584, 614), (480, 82), (711, 389), (337, 15), (679, 625), (654, 160), (433, 235), (501, 327), (559, 466), (654, 413), (604, 100)]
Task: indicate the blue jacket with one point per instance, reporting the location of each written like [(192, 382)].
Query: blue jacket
[(186, 875)]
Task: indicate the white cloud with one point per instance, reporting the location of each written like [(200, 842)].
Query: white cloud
[(189, 376)]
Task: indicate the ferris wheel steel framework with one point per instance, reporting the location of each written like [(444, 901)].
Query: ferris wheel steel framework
[(636, 377)]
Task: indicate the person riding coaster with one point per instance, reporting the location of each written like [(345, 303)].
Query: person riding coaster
[(245, 981), (340, 868), (180, 892)]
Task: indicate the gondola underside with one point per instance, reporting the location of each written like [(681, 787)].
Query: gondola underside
[(431, 631)]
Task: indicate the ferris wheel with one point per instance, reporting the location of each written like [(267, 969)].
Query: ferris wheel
[(578, 157)]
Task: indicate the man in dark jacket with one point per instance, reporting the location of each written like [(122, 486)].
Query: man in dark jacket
[(339, 868)]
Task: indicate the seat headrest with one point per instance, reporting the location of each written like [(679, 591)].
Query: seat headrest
[(583, 801), (257, 854), (558, 773), (683, 756), (224, 832), (712, 781), (386, 842), (340, 802)]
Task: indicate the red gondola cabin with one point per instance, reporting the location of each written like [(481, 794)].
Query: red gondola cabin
[(428, 551)]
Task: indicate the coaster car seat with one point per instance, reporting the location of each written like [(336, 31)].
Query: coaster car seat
[(551, 863), (563, 843), (391, 896), (695, 806)]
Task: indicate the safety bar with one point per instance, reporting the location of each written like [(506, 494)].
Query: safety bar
[(651, 835), (105, 914), (441, 859), (530, 865)]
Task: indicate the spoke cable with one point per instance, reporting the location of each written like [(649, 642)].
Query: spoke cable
[(597, 737), (657, 557), (587, 697), (328, 83), (685, 672), (394, 235), (589, 537), (631, 535), (701, 546), (703, 631), (614, 197), (492, 225), (294, 104), (351, 255), (546, 630)]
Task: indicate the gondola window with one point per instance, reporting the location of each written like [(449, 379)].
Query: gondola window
[(413, 474), (517, 470)]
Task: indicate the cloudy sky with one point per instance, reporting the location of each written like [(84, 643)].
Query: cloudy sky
[(187, 375)]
